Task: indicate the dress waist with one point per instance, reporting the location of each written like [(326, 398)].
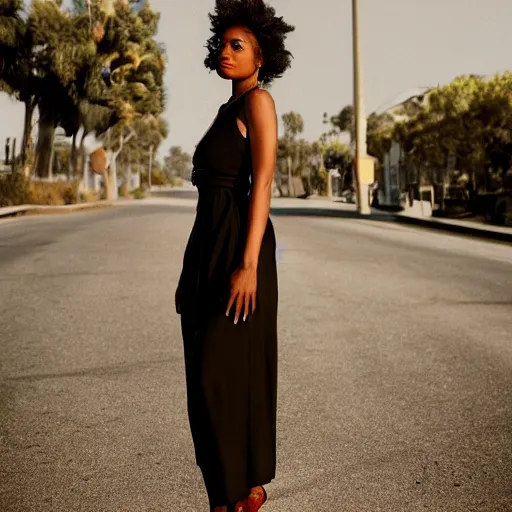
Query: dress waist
[(206, 178)]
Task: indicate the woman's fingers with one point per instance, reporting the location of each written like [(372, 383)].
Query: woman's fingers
[(239, 306), (244, 303), (232, 299), (247, 305)]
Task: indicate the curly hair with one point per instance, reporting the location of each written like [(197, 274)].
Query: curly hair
[(270, 32)]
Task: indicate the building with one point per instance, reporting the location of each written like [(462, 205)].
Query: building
[(393, 187)]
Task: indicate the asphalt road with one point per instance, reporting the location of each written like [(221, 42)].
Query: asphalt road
[(395, 367)]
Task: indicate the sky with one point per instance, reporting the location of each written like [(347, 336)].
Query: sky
[(405, 45)]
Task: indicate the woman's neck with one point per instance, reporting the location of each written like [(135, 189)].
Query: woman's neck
[(239, 88)]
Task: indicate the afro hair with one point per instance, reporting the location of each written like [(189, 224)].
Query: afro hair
[(269, 30)]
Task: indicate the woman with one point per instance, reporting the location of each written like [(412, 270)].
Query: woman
[(227, 294)]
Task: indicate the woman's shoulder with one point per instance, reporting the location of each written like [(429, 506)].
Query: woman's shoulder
[(259, 101), (258, 96)]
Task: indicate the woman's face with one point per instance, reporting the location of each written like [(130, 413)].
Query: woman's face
[(239, 57)]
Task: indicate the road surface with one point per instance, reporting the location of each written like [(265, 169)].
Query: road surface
[(395, 381)]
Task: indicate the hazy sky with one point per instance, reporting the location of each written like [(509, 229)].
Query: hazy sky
[(405, 44)]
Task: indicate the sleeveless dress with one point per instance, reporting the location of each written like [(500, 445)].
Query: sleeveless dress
[(231, 370)]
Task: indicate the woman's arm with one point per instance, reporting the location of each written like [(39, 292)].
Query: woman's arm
[(262, 131)]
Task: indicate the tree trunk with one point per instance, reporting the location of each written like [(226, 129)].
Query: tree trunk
[(290, 184), (13, 162), (106, 183), (128, 177), (52, 157), (112, 177), (81, 164), (27, 130), (44, 148), (72, 168), (112, 159)]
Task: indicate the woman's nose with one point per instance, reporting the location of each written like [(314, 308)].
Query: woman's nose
[(224, 53)]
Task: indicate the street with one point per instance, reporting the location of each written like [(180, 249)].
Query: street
[(395, 377)]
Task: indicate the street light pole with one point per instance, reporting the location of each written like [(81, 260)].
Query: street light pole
[(360, 120), (150, 165)]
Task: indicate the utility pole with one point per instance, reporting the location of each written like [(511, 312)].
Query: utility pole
[(361, 160), (150, 165)]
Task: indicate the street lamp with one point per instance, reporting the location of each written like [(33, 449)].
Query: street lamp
[(363, 164)]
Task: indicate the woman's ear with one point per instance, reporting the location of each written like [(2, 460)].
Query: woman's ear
[(259, 58)]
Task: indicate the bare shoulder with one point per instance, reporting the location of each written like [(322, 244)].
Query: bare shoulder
[(260, 101)]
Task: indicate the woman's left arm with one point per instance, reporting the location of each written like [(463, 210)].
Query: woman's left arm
[(262, 131)]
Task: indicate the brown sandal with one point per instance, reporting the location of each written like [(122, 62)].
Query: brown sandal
[(257, 498)]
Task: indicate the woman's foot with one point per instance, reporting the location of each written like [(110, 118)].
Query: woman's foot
[(240, 506), (256, 499)]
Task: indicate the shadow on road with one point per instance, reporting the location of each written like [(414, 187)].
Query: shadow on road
[(177, 193), (301, 210), (328, 212)]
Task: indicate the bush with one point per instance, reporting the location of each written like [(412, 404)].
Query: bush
[(89, 196), (54, 193), (158, 178), (319, 181), (138, 193), (69, 193), (176, 182), (14, 189)]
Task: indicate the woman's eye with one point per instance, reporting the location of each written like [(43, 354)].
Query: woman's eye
[(236, 46)]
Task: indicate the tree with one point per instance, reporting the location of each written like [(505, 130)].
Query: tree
[(16, 64), (343, 122), (60, 52), (379, 135), (101, 69), (134, 70), (290, 151), (466, 124), (122, 82), (178, 163), (138, 151), (96, 69), (337, 156), (12, 30), (293, 124)]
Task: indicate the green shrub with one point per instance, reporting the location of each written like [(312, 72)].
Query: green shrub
[(138, 193)]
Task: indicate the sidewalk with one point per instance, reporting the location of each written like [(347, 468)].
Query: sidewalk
[(13, 211), (335, 208), (464, 227)]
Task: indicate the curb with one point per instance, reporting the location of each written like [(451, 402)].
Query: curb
[(461, 229), (15, 211)]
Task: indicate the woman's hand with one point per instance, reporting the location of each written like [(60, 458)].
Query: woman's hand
[(243, 292)]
